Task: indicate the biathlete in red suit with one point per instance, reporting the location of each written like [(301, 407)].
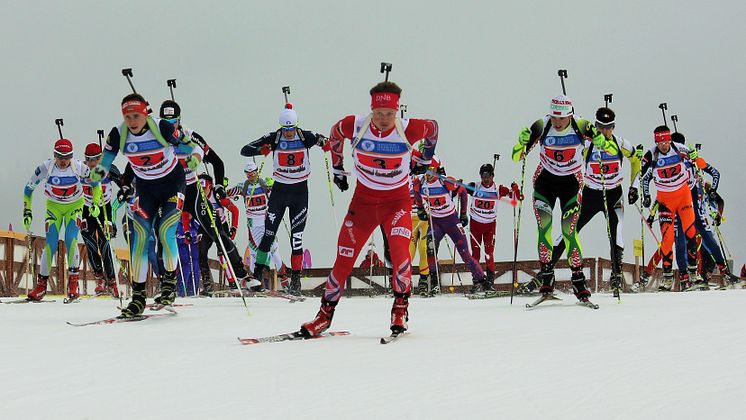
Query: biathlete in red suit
[(381, 152)]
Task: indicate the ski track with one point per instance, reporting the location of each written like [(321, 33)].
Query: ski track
[(664, 355)]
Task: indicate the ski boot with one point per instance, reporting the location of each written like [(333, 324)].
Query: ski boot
[(233, 289), (727, 275), (399, 313), (579, 286), (322, 322), (529, 287), (255, 285), (478, 286), (644, 279), (111, 287), (422, 286), (100, 289), (282, 276), (73, 295), (684, 283), (168, 289), (546, 275), (666, 282), (434, 284), (137, 305), (615, 282), (294, 288), (207, 289), (40, 290), (489, 281)]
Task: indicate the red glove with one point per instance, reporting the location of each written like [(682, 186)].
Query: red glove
[(503, 191), (265, 149), (517, 194)]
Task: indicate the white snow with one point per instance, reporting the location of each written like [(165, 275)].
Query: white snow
[(675, 355)]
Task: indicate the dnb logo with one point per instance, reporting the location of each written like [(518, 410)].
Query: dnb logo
[(367, 145), (346, 252), (550, 141), (54, 180), (401, 231), (131, 147)]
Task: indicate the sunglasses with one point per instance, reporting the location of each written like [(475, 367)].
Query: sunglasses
[(92, 158), (290, 128), (601, 125), (486, 174), (63, 157)]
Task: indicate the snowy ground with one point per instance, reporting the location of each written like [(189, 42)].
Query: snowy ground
[(678, 355)]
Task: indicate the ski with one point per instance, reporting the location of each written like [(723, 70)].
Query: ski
[(487, 295), (293, 336), (157, 307), (391, 338), (71, 300), (587, 304), (288, 296), (541, 299), (29, 301), (116, 320)]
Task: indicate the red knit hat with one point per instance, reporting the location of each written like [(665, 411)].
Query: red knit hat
[(92, 150), (63, 147)]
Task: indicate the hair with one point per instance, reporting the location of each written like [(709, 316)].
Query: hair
[(661, 129), (133, 97), (206, 177), (388, 87)]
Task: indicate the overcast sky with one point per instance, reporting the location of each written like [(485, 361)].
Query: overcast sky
[(483, 69)]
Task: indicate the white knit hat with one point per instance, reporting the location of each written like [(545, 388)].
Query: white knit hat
[(561, 106), (250, 167)]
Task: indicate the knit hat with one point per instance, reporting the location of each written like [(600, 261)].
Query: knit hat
[(63, 147), (92, 150), (170, 110), (561, 106), (605, 116), (250, 167), (288, 117)]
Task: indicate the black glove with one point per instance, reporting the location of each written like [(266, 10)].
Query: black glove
[(646, 201), (464, 219), (713, 196), (84, 225), (421, 214), (633, 195), (650, 220), (113, 230), (232, 233), (418, 169), (124, 193), (219, 192), (341, 182), (188, 238)]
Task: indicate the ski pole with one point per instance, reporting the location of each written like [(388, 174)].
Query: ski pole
[(517, 231), (674, 120), (403, 109), (562, 75), (386, 67), (128, 74), (331, 191), (663, 107), (612, 245), (226, 262), (431, 228), (458, 275), (171, 85), (286, 92), (59, 123), (607, 99)]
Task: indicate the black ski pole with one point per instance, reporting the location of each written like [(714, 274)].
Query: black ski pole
[(128, 74), (562, 75), (286, 92), (59, 124), (100, 137), (663, 106), (171, 85), (674, 120), (607, 99), (386, 67)]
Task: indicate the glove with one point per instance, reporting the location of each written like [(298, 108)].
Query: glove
[(232, 233), (323, 142), (633, 195), (125, 193), (693, 153), (269, 181), (517, 194), (646, 201), (524, 136), (341, 182), (464, 219), (193, 162), (519, 152), (418, 169), (188, 238), (503, 191), (639, 151), (84, 225), (650, 220), (97, 174), (599, 141), (27, 218), (110, 229), (265, 149), (421, 214), (219, 192), (717, 219), (94, 211), (713, 195)]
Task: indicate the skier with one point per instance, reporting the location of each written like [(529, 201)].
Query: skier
[(289, 146), (483, 212), (255, 192), (418, 243), (97, 231), (381, 152), (444, 221), (665, 164), (63, 187), (149, 146), (561, 137), (194, 206), (603, 177)]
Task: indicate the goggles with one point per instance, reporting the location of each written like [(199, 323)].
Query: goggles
[(288, 128), (60, 156), (602, 125), (92, 158)]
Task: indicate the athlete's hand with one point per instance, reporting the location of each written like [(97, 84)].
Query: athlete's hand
[(265, 149), (232, 233), (599, 141), (84, 225), (693, 153), (188, 237), (94, 211), (503, 191), (524, 136), (110, 229), (97, 174), (418, 169), (717, 219), (646, 201), (193, 161), (124, 193), (323, 142), (27, 218), (519, 152), (464, 219), (633, 195), (421, 214), (650, 220), (713, 195), (639, 151), (219, 192), (341, 182), (517, 193)]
